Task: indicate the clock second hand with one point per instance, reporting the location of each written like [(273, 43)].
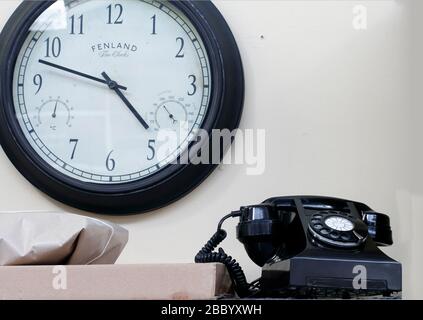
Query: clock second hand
[(114, 86)]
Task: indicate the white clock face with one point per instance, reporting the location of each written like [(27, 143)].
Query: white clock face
[(98, 82), (339, 224)]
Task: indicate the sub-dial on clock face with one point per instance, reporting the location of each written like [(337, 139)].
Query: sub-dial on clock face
[(97, 81)]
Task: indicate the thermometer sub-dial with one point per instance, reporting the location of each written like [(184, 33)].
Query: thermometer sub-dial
[(170, 114), (53, 113)]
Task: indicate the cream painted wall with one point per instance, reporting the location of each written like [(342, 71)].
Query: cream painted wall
[(341, 110)]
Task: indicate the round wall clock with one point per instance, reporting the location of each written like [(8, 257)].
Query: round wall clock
[(87, 87)]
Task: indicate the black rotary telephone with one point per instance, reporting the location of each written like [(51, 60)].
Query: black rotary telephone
[(311, 246)]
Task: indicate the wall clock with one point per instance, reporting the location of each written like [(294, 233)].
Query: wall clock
[(86, 87)]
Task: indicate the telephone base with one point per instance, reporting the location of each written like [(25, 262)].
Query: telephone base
[(332, 277)]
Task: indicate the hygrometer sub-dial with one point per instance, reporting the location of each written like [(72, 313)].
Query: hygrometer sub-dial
[(53, 113), (170, 114)]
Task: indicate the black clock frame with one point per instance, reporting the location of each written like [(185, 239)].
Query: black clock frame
[(171, 182)]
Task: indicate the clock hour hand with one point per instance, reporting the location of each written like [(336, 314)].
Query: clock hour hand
[(114, 86), (84, 75)]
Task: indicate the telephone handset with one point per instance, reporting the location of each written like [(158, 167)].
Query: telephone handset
[(310, 246)]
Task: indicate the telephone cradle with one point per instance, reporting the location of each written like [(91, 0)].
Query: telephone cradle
[(311, 247)]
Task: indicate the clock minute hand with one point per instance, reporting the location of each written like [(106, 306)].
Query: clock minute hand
[(114, 86), (84, 75)]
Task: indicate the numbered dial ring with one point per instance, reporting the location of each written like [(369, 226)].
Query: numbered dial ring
[(337, 229)]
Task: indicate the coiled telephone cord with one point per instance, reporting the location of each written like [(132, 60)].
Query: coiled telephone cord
[(208, 255)]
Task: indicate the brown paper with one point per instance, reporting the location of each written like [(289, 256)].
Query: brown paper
[(47, 238)]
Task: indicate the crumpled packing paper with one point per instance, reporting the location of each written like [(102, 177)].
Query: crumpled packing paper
[(48, 238)]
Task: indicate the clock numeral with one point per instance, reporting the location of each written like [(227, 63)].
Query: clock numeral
[(38, 81), (193, 79), (80, 27), (151, 146), (75, 143), (119, 8), (53, 47), (154, 24), (180, 53), (110, 162)]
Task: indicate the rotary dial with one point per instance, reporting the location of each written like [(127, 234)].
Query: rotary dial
[(339, 224), (338, 229)]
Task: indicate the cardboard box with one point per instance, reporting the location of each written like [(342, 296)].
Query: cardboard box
[(155, 281)]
